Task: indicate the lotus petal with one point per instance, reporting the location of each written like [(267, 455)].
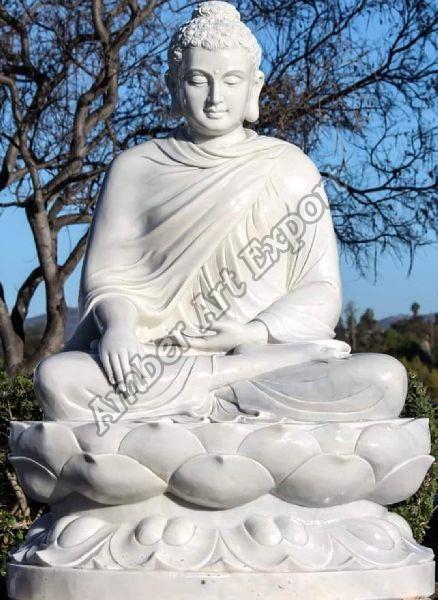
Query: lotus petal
[(420, 433), (221, 481), (337, 438), (150, 530), (36, 480), (384, 446), (263, 530), (58, 527), (315, 554), (221, 438), (16, 429), (401, 524), (191, 556), (75, 555), (178, 532), (48, 443), (328, 480), (79, 530), (279, 448), (371, 533), (126, 550), (111, 478), (252, 554), (403, 481), (292, 531), (108, 443), (162, 447)]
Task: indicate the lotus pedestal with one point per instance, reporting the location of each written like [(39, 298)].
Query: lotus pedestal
[(235, 510)]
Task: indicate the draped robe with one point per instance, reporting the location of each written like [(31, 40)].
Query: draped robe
[(171, 217)]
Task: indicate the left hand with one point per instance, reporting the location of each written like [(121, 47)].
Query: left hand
[(229, 334)]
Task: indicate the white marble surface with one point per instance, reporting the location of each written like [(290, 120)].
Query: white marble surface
[(210, 285), (205, 435), (223, 465), (402, 583), (266, 535), (142, 495)]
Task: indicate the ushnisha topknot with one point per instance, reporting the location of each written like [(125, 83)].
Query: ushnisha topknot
[(216, 10), (214, 25)]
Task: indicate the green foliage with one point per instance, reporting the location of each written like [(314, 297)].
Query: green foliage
[(12, 534), (418, 509), (412, 340), (17, 403)]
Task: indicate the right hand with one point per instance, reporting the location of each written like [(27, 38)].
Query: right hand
[(118, 352)]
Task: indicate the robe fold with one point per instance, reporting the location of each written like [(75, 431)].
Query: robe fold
[(172, 216), (190, 235)]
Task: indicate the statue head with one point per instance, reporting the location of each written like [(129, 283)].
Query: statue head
[(214, 76)]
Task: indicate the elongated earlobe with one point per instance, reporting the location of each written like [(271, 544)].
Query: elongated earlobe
[(172, 85), (252, 107)]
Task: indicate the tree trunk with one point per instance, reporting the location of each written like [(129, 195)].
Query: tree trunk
[(12, 344)]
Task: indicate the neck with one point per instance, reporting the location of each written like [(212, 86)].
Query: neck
[(221, 141)]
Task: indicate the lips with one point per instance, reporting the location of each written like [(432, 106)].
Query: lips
[(215, 114)]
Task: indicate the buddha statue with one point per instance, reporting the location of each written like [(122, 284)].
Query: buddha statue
[(215, 245), (205, 435)]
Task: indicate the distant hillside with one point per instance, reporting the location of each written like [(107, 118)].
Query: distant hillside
[(35, 325), (388, 321)]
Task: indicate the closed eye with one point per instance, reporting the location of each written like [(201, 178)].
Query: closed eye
[(196, 80), (232, 80)]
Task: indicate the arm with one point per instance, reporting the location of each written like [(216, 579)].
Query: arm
[(119, 348), (104, 304), (311, 308), (115, 313)]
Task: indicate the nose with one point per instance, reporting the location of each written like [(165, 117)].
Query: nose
[(215, 93)]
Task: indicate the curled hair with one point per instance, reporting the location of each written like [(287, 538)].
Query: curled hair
[(214, 25)]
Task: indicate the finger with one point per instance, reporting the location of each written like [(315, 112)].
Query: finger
[(107, 368), (133, 364), (138, 359), (127, 371), (118, 373)]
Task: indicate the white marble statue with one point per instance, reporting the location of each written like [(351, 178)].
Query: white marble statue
[(215, 216), (205, 435)]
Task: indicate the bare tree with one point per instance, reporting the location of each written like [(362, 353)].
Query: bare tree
[(64, 65), (353, 82), (349, 81)]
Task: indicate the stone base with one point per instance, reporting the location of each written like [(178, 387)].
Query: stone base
[(39, 583), (222, 511)]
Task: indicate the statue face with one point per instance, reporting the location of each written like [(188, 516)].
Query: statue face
[(215, 89)]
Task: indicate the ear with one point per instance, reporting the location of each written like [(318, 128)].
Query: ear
[(252, 105), (172, 85)]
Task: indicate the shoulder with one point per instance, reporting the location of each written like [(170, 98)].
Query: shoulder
[(295, 168), (133, 160)]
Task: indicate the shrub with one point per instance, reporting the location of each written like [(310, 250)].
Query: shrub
[(418, 509), (17, 403)]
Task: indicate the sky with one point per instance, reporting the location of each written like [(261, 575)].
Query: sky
[(392, 293)]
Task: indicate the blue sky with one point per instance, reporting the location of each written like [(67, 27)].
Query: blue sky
[(393, 292)]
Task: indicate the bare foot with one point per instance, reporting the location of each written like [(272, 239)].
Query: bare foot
[(299, 352)]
